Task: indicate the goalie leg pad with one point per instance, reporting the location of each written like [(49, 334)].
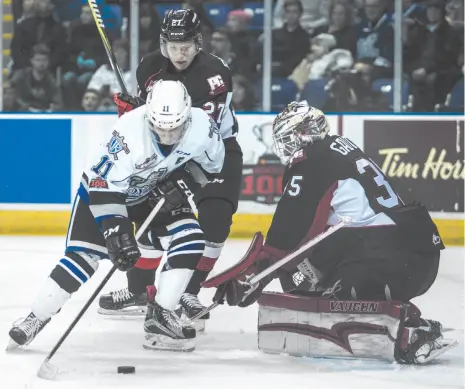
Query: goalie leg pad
[(316, 327)]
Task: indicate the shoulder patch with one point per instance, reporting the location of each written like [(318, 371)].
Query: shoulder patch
[(216, 84), (116, 145)]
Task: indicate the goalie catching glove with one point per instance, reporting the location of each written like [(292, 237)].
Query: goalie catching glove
[(120, 242), (233, 283)]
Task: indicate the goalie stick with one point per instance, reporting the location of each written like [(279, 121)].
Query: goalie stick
[(48, 371), (343, 222)]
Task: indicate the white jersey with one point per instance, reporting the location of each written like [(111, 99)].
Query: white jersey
[(129, 166)]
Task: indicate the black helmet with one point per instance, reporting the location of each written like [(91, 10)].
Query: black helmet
[(180, 26)]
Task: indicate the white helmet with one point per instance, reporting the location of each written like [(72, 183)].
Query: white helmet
[(168, 111), (296, 126)]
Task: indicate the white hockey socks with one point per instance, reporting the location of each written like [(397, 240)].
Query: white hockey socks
[(171, 285), (49, 300)]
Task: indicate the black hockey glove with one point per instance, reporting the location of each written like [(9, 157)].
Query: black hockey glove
[(120, 242), (176, 188)]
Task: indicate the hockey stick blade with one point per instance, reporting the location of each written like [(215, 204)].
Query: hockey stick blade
[(345, 220), (47, 371)]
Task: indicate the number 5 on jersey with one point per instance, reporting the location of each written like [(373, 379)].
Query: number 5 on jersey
[(293, 187)]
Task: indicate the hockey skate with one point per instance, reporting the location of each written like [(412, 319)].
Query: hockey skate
[(123, 303), (425, 342), (164, 330), (191, 306), (24, 331)]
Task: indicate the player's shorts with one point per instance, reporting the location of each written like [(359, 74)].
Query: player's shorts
[(231, 175), (84, 234)]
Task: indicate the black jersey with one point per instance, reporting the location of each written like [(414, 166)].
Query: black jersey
[(328, 179), (207, 79)]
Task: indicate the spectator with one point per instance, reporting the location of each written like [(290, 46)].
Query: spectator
[(243, 42), (29, 10), (222, 48), (341, 15), (149, 30), (43, 29), (432, 58), (36, 87), (87, 54), (207, 34), (290, 42), (314, 15), (104, 79), (375, 42), (91, 100), (455, 15), (10, 98), (243, 95), (321, 61)]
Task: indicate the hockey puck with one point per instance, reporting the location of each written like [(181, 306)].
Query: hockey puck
[(126, 369)]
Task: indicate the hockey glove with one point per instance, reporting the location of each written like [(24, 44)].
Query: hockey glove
[(176, 188), (125, 103), (120, 242)]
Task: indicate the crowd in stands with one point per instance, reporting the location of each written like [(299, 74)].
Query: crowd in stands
[(337, 54)]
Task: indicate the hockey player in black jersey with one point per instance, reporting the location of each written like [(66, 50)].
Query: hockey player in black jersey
[(208, 81), (389, 253)]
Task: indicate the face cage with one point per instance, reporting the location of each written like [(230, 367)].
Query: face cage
[(286, 145)]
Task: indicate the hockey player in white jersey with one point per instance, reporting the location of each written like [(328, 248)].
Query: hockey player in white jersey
[(142, 161)]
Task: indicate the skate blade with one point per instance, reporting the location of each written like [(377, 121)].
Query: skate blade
[(12, 345), (129, 311), (165, 343), (47, 371), (447, 345)]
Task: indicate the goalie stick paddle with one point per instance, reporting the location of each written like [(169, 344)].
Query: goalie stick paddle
[(343, 222), (97, 15), (48, 371)]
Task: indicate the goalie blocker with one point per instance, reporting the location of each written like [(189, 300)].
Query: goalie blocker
[(307, 326)]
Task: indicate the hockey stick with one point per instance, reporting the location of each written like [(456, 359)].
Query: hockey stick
[(48, 371), (345, 220), (106, 43)]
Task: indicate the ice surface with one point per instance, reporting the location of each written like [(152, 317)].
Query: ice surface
[(225, 357)]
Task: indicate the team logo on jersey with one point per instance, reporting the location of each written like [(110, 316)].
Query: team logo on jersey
[(116, 145), (216, 84), (140, 186), (148, 161)]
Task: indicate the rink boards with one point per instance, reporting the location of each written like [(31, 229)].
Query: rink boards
[(43, 156)]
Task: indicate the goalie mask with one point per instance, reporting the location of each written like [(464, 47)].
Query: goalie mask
[(296, 126), (180, 37), (168, 111)]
